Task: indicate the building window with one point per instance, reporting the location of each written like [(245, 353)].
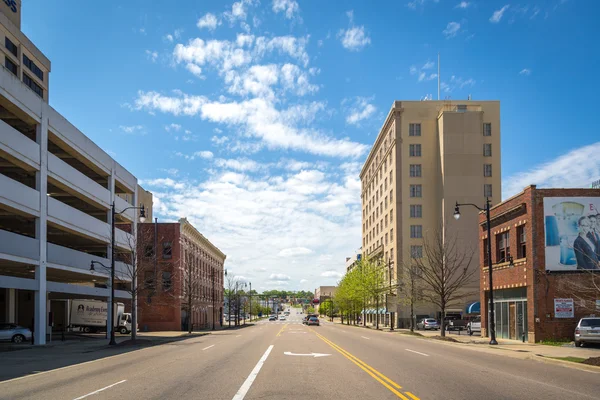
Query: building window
[(502, 246), (522, 249), (33, 68), (391, 177), (487, 190), (487, 129), (487, 149), (415, 191), (385, 201), (11, 66), (386, 238), (416, 231), (461, 108), (167, 250), (392, 254), (386, 220), (416, 251), (149, 251), (391, 216), (33, 86), (416, 211), (10, 46), (166, 281), (391, 195), (391, 234), (415, 150), (415, 170), (414, 129), (487, 170), (149, 279), (385, 183)]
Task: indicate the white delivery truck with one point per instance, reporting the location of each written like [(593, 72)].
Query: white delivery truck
[(91, 315)]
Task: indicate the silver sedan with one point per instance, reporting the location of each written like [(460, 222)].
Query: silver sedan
[(14, 333)]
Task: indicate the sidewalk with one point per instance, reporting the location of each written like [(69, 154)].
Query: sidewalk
[(533, 349)]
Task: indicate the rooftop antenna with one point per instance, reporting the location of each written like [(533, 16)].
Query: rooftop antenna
[(438, 75)]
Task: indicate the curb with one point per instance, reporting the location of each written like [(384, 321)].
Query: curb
[(570, 364)]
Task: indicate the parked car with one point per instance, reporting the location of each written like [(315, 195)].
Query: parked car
[(273, 318), (456, 324), (587, 331), (14, 333), (474, 326), (282, 317), (427, 324), (313, 321)]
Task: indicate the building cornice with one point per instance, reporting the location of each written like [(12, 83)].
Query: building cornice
[(188, 229), (396, 109)]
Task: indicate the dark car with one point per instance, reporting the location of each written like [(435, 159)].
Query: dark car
[(313, 321)]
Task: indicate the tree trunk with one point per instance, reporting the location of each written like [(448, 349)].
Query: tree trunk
[(412, 314), (443, 324)]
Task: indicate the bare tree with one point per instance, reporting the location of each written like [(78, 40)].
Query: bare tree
[(191, 286), (411, 286), (444, 269)]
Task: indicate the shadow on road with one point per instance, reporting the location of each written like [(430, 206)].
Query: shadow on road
[(23, 360)]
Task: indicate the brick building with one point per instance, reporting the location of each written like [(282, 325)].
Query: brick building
[(186, 269), (541, 278)]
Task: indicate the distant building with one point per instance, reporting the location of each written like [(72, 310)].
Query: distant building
[(428, 155), (552, 237), (351, 261), (184, 263), (324, 293)]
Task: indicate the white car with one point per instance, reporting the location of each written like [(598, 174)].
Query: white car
[(282, 318)]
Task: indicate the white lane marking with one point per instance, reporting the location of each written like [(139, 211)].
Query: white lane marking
[(364, 337), (206, 348), (100, 390), (315, 355), (248, 382), (412, 351)]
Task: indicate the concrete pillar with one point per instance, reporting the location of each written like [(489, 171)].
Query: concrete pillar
[(41, 227), (11, 306), (109, 321)]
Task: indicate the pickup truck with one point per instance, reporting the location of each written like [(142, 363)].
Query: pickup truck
[(474, 326), (456, 324)]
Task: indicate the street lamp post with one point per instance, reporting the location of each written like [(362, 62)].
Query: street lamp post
[(392, 315), (112, 264), (228, 304), (250, 293), (213, 297), (492, 322)]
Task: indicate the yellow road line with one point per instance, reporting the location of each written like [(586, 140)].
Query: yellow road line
[(412, 396), (281, 330), (378, 376)]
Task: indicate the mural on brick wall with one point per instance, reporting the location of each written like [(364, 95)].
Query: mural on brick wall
[(572, 228)]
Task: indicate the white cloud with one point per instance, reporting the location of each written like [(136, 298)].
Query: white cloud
[(418, 3), (239, 10), (451, 30), (205, 154), (463, 4), (219, 140), (290, 7), (456, 83), (421, 73), (247, 215), (279, 277), (194, 69), (358, 110), (577, 168), (240, 164), (331, 274), (294, 252), (525, 71), (353, 38), (173, 127), (171, 37), (132, 129), (152, 55), (259, 117), (208, 21), (303, 280), (497, 15)]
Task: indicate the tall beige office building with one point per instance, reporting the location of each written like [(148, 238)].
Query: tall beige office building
[(427, 156)]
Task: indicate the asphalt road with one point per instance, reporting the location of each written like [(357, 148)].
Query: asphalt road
[(288, 360)]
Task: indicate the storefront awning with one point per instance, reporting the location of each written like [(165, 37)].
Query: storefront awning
[(473, 308)]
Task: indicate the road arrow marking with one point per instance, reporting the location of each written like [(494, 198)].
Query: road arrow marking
[(315, 355)]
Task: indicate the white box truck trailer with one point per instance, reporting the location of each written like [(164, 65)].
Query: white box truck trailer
[(91, 316)]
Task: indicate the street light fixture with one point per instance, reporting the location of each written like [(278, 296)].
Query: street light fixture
[(492, 322), (142, 218)]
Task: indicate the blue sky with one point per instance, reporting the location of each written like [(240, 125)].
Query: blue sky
[(253, 118)]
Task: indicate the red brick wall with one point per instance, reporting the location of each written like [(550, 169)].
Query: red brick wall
[(530, 272)]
